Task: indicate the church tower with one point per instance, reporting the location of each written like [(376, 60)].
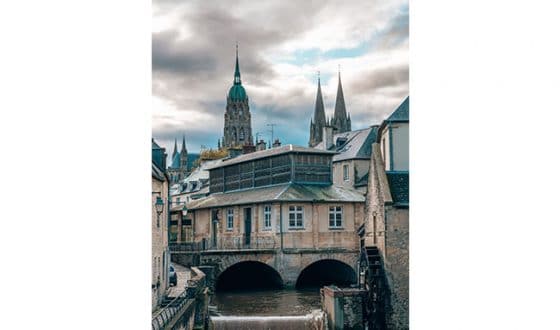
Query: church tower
[(237, 119), (341, 120), (179, 163), (318, 121)]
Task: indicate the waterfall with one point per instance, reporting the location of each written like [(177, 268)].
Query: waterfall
[(316, 320)]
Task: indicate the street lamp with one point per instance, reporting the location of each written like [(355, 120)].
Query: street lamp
[(159, 208), (184, 210)]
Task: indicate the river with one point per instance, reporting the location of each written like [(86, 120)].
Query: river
[(267, 302)]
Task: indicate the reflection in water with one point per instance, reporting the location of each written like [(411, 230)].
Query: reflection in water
[(267, 303)]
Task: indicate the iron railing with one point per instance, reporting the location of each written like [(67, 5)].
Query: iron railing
[(242, 242), (193, 288)]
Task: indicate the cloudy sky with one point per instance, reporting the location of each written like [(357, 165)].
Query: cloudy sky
[(282, 45)]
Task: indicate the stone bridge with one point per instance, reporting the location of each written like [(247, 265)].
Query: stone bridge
[(275, 267)]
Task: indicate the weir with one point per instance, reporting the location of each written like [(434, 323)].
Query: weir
[(316, 320)]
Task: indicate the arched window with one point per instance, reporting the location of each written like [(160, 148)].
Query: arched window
[(234, 134), (241, 134)]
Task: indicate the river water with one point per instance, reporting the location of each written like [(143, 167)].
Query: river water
[(267, 302)]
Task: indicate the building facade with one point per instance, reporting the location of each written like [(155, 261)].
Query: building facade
[(394, 137), (280, 198), (160, 247), (237, 118)]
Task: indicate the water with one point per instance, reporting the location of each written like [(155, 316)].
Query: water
[(267, 302)]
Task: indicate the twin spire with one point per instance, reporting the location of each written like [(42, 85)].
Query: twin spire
[(340, 121), (183, 147)]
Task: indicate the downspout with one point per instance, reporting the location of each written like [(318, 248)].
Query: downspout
[(281, 231), (390, 146)]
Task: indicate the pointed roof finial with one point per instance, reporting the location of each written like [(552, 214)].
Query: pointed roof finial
[(319, 76), (237, 75), (339, 72)]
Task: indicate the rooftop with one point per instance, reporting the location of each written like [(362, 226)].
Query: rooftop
[(401, 113), (357, 145), (288, 148), (282, 192)]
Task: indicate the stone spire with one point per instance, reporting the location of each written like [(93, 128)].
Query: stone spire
[(174, 149), (319, 116), (319, 120), (183, 147), (340, 120), (237, 75)]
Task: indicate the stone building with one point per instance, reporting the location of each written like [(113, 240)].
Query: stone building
[(393, 137), (340, 121), (387, 212), (237, 118), (280, 198), (352, 158), (179, 168), (160, 249), (195, 186)]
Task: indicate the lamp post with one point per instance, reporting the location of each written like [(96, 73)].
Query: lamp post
[(159, 208)]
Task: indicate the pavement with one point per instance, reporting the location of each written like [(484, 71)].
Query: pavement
[(183, 274)]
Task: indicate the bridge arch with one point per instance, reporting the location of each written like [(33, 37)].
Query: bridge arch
[(248, 274), (326, 272)]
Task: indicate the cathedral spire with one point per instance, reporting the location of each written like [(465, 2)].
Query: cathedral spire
[(174, 149), (341, 118), (183, 147), (237, 75), (319, 115)]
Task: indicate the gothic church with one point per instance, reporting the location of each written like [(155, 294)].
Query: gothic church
[(340, 121)]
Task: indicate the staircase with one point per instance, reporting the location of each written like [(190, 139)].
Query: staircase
[(375, 281)]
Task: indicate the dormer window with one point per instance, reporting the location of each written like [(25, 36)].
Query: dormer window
[(341, 141)]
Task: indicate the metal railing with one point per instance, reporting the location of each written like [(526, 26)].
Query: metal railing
[(193, 288), (241, 242), (244, 242)]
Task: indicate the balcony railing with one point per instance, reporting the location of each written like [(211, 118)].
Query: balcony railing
[(242, 242)]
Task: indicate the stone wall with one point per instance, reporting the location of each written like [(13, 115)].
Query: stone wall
[(396, 267), (344, 307)]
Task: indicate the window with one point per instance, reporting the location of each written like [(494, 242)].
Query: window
[(296, 217), (229, 219), (267, 217), (178, 200), (335, 217), (345, 172)]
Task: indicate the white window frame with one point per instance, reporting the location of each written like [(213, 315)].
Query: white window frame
[(267, 217), (229, 219), (295, 217), (335, 211), (345, 172)]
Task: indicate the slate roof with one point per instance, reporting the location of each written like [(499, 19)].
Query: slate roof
[(283, 192), (398, 185), (267, 153), (363, 181), (401, 113), (157, 173), (357, 146)]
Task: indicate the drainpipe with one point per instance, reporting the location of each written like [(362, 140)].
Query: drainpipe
[(281, 231), (390, 147)]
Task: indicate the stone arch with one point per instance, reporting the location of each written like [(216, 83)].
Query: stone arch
[(248, 274), (325, 272)]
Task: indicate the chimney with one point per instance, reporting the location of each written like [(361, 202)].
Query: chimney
[(328, 136), (248, 148), (261, 145), (276, 143), (234, 152)]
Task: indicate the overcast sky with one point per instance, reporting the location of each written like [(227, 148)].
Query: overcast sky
[(282, 45)]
